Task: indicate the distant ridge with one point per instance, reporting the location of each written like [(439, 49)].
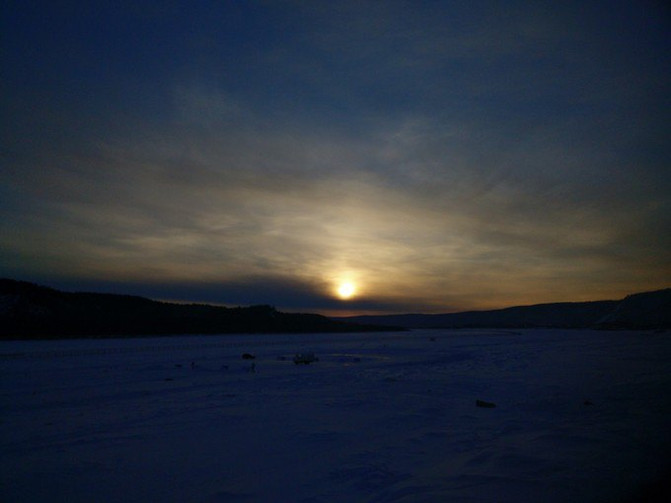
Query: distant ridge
[(645, 311), (650, 310), (29, 311)]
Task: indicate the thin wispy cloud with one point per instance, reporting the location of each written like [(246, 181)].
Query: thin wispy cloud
[(442, 156)]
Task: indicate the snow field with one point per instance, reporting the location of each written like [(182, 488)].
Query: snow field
[(580, 416)]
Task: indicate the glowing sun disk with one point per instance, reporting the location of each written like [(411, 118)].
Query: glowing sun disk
[(346, 290)]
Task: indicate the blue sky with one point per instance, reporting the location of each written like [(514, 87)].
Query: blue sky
[(438, 155)]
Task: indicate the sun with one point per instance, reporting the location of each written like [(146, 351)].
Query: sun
[(346, 290)]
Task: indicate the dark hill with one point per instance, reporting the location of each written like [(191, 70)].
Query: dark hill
[(650, 310), (31, 311)]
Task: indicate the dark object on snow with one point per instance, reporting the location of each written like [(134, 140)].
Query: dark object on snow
[(248, 356), (305, 358), (486, 405)]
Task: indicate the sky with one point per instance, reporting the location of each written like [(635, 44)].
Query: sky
[(435, 156)]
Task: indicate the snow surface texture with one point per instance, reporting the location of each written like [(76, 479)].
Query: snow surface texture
[(580, 416)]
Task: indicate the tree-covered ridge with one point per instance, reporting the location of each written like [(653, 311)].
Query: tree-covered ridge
[(32, 311)]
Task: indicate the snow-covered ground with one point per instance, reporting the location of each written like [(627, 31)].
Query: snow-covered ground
[(580, 416)]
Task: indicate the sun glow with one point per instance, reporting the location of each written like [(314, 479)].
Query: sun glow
[(346, 290)]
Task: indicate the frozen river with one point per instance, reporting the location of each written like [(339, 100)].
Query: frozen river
[(580, 416)]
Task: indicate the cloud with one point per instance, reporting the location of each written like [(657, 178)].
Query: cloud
[(442, 158)]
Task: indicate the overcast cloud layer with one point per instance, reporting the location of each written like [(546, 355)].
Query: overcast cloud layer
[(442, 155)]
